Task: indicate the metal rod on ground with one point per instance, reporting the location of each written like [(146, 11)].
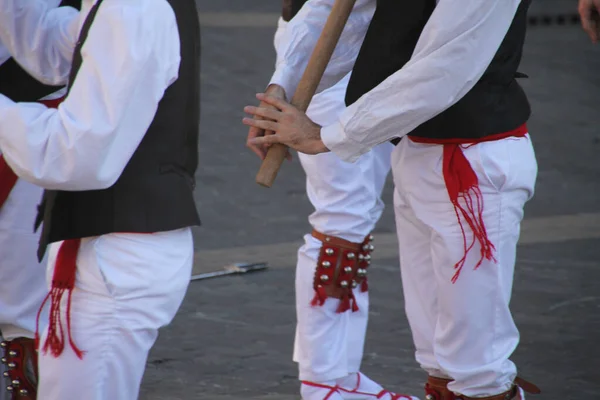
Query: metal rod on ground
[(308, 84), (234, 269)]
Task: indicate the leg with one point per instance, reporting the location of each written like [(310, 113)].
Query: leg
[(418, 278), (346, 197), (127, 287), (22, 282), (475, 334), (22, 289), (329, 345)]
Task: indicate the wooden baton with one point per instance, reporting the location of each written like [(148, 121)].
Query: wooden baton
[(308, 84)]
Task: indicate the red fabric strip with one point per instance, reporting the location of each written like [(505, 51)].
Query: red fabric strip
[(463, 189), (8, 179)]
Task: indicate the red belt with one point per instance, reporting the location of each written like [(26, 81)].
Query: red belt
[(461, 183)]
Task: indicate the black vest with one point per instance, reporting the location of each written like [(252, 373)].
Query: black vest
[(18, 85), (291, 8), (155, 191), (496, 104)]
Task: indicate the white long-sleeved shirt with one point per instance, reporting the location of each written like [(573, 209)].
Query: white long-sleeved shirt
[(131, 56), (342, 60), (454, 50)]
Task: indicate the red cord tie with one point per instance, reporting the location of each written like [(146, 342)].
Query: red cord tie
[(332, 389)]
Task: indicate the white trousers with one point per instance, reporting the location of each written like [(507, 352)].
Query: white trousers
[(22, 277), (347, 202), (463, 331), (127, 287)]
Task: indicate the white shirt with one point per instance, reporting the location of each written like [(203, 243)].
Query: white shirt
[(455, 48), (130, 58)]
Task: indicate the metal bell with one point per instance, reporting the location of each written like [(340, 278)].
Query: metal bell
[(365, 247), (361, 272), (368, 257), (23, 392), (6, 374), (329, 252), (11, 365), (3, 344), (371, 238), (348, 269), (361, 257), (12, 353), (326, 264), (354, 284), (324, 278), (351, 256), (429, 397), (16, 383), (4, 360), (371, 247), (9, 388), (344, 284)]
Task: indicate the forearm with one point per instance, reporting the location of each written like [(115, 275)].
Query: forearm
[(453, 52)]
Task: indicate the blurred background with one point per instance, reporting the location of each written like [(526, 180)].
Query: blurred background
[(232, 339)]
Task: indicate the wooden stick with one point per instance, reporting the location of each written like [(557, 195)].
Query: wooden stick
[(308, 84)]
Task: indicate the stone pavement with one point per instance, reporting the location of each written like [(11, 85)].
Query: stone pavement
[(232, 338)]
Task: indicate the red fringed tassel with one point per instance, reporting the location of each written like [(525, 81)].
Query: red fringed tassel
[(364, 286), (347, 302), (63, 281), (344, 304), (320, 297), (461, 182), (354, 305)]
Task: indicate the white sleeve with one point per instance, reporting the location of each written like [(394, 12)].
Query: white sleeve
[(129, 60), (453, 51), (40, 36), (302, 33)]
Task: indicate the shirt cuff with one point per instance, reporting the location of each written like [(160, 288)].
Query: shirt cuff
[(281, 78), (335, 139)]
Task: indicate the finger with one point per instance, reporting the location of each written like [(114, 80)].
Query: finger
[(274, 101), (252, 133), (266, 140), (268, 113), (596, 18), (259, 151), (585, 13), (261, 124)]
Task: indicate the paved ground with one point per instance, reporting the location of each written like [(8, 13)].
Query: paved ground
[(232, 338)]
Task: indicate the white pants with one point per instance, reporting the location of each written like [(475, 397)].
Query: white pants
[(127, 287), (22, 277), (463, 331), (347, 202)]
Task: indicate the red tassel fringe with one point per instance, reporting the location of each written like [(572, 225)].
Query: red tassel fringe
[(347, 302), (63, 282), (320, 297), (364, 285), (462, 184)]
